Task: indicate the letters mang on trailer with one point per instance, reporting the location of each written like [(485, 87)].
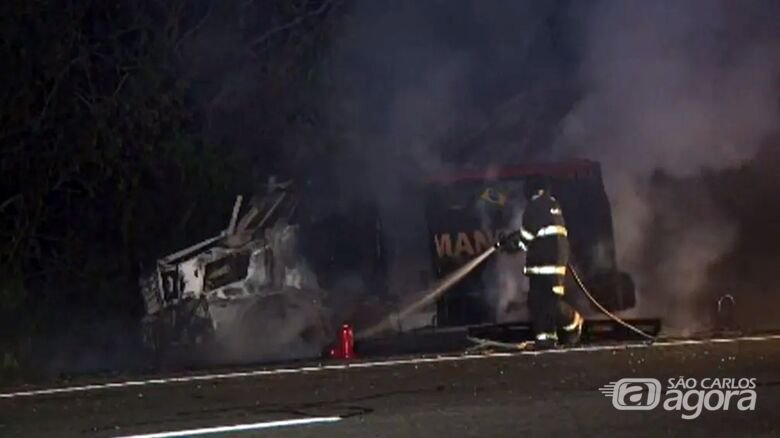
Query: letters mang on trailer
[(468, 243)]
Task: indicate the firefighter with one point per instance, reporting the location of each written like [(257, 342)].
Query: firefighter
[(543, 236)]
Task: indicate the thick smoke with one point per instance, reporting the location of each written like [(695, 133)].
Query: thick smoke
[(677, 88), (654, 90), (417, 88), (662, 89)]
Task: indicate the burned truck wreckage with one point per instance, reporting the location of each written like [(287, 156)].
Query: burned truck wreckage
[(247, 291), (271, 285)]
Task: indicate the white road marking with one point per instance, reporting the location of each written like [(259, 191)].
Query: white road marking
[(375, 364), (237, 427)]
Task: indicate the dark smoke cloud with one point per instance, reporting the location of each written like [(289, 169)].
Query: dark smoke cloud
[(420, 87), (645, 87), (674, 88), (679, 87)]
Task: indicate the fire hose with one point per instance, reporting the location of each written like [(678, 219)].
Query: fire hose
[(452, 279), (603, 310), (429, 295)]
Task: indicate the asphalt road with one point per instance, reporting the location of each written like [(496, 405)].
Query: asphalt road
[(525, 394)]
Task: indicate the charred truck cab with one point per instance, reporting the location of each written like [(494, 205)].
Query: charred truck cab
[(258, 290), (468, 211)]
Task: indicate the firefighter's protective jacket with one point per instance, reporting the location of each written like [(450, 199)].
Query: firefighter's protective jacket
[(544, 237)]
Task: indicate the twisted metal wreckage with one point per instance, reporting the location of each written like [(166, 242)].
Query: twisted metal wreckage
[(238, 286)]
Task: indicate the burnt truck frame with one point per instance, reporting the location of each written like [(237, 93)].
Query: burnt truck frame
[(468, 210), (200, 300)]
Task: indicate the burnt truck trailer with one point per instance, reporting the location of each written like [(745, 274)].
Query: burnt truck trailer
[(468, 211)]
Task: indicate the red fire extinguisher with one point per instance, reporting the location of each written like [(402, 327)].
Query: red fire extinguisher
[(347, 341), (345, 349)]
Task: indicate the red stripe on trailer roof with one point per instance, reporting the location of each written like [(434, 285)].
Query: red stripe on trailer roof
[(564, 168)]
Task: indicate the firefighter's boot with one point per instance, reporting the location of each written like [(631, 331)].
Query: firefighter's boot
[(545, 341), (572, 332)]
